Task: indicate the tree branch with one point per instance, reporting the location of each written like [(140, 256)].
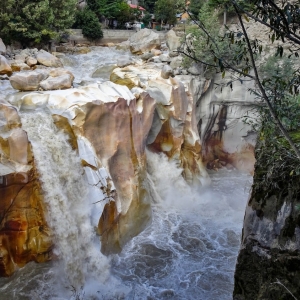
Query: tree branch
[(262, 90)]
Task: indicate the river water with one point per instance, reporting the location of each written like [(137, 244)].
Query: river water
[(187, 252)]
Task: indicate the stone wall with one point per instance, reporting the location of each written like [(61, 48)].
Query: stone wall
[(109, 36)]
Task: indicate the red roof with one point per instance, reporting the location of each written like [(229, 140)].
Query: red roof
[(135, 6)]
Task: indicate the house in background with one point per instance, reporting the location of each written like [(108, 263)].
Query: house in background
[(134, 2)]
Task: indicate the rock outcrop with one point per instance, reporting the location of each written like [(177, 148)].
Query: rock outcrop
[(221, 114), (24, 233), (109, 128), (268, 265), (174, 130)]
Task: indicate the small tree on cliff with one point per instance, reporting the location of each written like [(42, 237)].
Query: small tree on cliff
[(282, 19), (35, 21)]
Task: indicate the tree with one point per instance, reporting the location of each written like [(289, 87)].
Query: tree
[(195, 6), (282, 19), (35, 21), (149, 5), (87, 20), (165, 11)]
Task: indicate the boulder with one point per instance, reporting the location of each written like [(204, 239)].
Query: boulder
[(31, 61), (4, 66), (60, 71), (19, 65), (176, 62), (195, 69), (61, 82), (172, 41), (156, 52), (48, 60), (123, 46), (2, 47), (123, 62), (164, 57), (166, 72), (24, 233), (143, 41), (147, 55), (28, 80), (104, 71), (20, 57)]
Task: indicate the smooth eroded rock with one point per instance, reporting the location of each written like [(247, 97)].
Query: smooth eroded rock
[(143, 41), (47, 59), (28, 80), (57, 83)]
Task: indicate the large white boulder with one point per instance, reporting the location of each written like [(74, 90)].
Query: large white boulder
[(143, 41), (28, 80), (47, 59), (61, 82), (172, 41)]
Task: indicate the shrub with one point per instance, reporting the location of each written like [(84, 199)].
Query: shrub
[(89, 23)]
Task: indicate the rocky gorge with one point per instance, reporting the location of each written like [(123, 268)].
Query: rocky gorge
[(101, 131)]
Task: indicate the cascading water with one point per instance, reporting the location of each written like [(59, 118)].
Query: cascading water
[(65, 194), (188, 252)]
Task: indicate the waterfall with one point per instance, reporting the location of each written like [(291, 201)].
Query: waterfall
[(65, 195)]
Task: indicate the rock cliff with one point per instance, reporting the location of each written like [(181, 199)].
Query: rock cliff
[(109, 128), (268, 265)]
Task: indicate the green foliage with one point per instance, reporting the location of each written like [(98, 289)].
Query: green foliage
[(34, 21), (195, 7), (147, 19), (216, 53), (110, 9), (165, 11), (148, 5), (87, 20), (277, 167)]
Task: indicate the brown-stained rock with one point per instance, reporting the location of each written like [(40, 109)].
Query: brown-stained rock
[(31, 61), (63, 124), (174, 130), (120, 140), (18, 65), (24, 234), (4, 66)]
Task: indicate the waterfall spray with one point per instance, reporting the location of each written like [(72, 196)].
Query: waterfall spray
[(65, 195)]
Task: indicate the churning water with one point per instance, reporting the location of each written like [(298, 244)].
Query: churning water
[(187, 252)]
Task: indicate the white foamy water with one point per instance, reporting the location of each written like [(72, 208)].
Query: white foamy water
[(188, 252), (95, 65), (65, 194)]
